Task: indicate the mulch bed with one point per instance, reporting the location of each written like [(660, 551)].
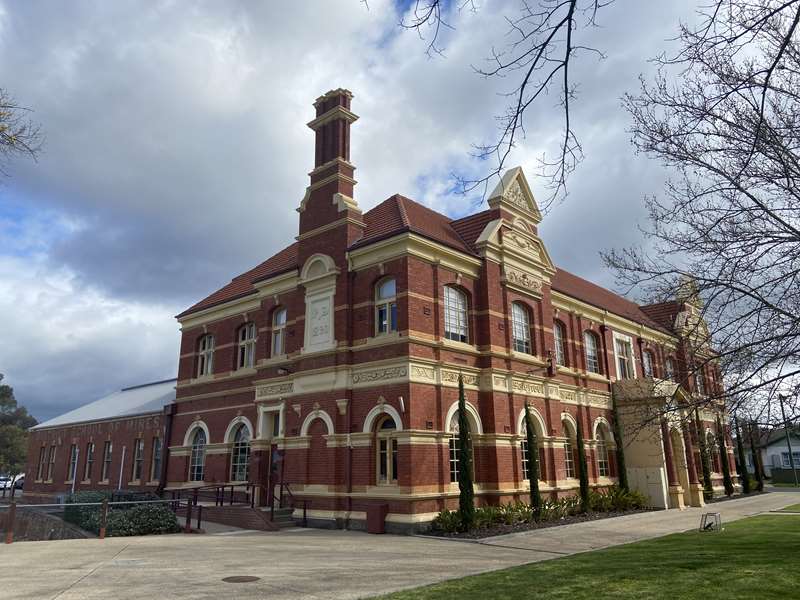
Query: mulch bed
[(502, 529)]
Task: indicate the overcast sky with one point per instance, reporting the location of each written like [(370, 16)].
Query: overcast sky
[(176, 153)]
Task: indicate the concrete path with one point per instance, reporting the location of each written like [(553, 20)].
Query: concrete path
[(310, 563)]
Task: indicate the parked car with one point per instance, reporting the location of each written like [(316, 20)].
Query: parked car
[(19, 482), (5, 482)]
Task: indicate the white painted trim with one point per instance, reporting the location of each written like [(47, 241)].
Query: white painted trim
[(190, 432), (625, 338), (571, 420), (536, 415), (379, 410), (232, 425), (317, 414), (605, 422), (471, 411)]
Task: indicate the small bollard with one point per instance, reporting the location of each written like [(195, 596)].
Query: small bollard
[(103, 518), (12, 513)]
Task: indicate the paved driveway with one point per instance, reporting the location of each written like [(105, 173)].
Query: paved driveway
[(310, 563)]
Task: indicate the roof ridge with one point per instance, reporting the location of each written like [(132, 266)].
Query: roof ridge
[(401, 207)]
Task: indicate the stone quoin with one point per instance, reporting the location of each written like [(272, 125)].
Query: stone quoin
[(332, 367)]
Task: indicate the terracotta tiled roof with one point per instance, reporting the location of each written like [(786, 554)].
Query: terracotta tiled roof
[(586, 291), (242, 285), (663, 312), (399, 214), (471, 227)]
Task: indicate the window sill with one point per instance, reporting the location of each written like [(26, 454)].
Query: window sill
[(135, 482), (103, 482), (153, 482), (85, 482), (529, 358), (460, 346)]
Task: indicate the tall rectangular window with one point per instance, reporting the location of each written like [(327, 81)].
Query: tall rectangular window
[(647, 363), (521, 328), (107, 449), (559, 337), (87, 470), (569, 460), (624, 350), (51, 465), (247, 346), (155, 461), (279, 332), (73, 462), (455, 315), (386, 306), (42, 462), (205, 356), (138, 459), (592, 352)]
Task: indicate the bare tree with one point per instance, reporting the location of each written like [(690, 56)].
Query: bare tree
[(724, 116), (543, 42), (18, 134)]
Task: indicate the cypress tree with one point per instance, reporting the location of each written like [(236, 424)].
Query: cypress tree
[(759, 468), (723, 458), (533, 463), (622, 473), (583, 470), (466, 503), (708, 489), (744, 477)]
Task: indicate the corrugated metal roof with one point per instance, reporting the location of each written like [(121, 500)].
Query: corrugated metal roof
[(136, 400)]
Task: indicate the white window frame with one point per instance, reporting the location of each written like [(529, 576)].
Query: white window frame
[(138, 459), (625, 339), (453, 446), (51, 462), (785, 459), (456, 314), (647, 363), (247, 346), (72, 472), (197, 457), (560, 342), (386, 305), (669, 368), (591, 352), (521, 328), (108, 450), (205, 355), (602, 452), (386, 460), (240, 453), (156, 457), (700, 382), (88, 466), (278, 346)]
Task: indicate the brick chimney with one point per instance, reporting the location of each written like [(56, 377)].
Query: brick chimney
[(329, 197)]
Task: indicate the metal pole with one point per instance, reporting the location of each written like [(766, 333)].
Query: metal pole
[(121, 466), (788, 441), (103, 518)]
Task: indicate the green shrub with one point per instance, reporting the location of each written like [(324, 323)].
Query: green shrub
[(130, 519), (447, 521), (616, 499)]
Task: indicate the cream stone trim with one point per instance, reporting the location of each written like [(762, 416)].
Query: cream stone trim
[(187, 437), (414, 245), (219, 312), (311, 417), (234, 423), (293, 443), (279, 284), (377, 411), (337, 112), (332, 225)]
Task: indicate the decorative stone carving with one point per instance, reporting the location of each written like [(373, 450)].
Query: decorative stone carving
[(452, 377), (379, 374), (527, 387), (275, 389), (516, 196), (524, 280), (423, 373), (342, 404)]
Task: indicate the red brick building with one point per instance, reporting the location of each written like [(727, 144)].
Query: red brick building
[(332, 367)]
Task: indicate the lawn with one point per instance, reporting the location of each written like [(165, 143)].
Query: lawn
[(755, 557), (792, 508)]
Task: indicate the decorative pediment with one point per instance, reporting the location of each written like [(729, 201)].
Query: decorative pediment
[(513, 193)]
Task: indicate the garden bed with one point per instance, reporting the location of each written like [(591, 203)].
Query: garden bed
[(505, 528)]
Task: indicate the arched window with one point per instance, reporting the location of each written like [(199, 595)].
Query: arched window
[(387, 450), (569, 449), (647, 363), (455, 315), (601, 450), (454, 450), (386, 306), (592, 352), (240, 455), (279, 332), (669, 368), (247, 346), (197, 459), (521, 328), (525, 456), (559, 336), (205, 355)]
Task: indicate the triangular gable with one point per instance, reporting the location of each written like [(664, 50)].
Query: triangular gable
[(514, 193)]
